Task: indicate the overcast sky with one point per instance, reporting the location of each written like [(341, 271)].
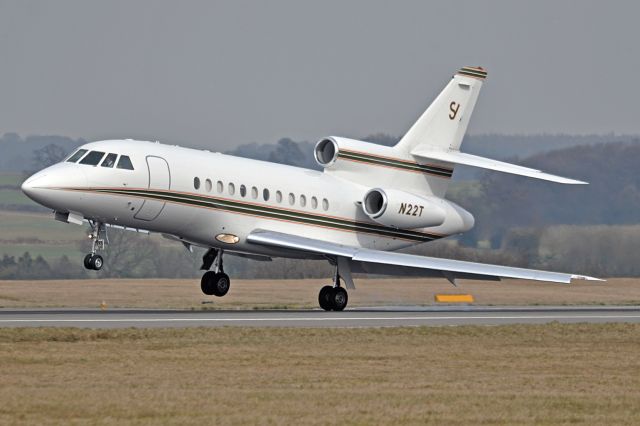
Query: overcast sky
[(219, 74)]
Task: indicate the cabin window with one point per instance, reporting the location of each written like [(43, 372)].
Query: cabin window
[(254, 192), (303, 200), (125, 163), (292, 199), (325, 204), (265, 194), (196, 182), (76, 155), (232, 189), (220, 187), (278, 197), (314, 203), (109, 160), (92, 158), (243, 191), (208, 185)]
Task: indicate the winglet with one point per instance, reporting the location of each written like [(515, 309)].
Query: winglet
[(586, 278)]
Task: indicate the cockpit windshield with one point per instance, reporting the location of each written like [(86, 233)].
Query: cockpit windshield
[(76, 155), (109, 160), (125, 163), (92, 158)]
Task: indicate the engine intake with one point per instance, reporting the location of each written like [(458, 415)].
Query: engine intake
[(326, 152), (391, 207)]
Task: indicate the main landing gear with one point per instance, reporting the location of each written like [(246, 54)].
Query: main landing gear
[(214, 282), (334, 298), (98, 236)]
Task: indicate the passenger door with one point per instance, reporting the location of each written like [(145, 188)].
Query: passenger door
[(159, 179)]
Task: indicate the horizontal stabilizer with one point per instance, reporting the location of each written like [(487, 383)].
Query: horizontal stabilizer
[(457, 157)]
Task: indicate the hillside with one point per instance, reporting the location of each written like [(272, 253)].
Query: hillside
[(502, 202), (16, 152), (520, 218)]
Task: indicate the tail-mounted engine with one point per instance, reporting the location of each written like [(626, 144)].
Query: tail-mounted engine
[(326, 151), (373, 165), (391, 207)]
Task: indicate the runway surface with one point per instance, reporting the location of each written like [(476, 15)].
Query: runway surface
[(359, 317)]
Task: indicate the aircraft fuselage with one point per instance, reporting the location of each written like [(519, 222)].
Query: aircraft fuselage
[(208, 199)]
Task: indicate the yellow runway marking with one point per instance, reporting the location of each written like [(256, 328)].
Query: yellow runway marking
[(454, 298)]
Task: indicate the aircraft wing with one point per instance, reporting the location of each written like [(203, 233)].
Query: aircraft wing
[(391, 263), (458, 157)]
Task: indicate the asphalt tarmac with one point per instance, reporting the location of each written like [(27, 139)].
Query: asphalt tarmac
[(392, 316)]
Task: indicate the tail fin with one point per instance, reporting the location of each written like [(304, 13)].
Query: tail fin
[(438, 133), (444, 123)]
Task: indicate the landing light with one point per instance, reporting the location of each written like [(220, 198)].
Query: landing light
[(227, 238)]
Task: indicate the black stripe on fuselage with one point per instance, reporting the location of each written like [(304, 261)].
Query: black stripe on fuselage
[(395, 163), (266, 212)]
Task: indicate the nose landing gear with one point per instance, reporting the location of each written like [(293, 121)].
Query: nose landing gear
[(93, 262), (99, 240)]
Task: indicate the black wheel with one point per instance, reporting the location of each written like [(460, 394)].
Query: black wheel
[(325, 298), (96, 262), (221, 284), (339, 299), (206, 283), (87, 261)]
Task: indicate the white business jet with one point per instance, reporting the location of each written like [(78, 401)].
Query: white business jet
[(369, 201)]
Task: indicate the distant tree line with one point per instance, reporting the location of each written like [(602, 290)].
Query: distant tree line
[(519, 221), (18, 153), (604, 251), (503, 202)]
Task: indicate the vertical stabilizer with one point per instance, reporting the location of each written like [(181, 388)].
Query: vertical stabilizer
[(444, 123)]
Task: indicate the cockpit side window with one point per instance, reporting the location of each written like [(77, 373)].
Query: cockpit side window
[(92, 158), (76, 155), (125, 163), (109, 160)]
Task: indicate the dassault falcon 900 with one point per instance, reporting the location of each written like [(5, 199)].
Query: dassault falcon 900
[(369, 201)]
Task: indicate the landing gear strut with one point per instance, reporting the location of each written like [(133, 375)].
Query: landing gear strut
[(333, 298), (215, 282), (99, 239)]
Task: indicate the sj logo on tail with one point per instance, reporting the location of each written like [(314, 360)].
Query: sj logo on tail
[(453, 107)]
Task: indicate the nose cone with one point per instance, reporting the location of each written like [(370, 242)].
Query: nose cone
[(34, 184), (49, 186)]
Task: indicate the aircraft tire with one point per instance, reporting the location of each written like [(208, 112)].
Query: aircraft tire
[(325, 297), (87, 261), (96, 262), (206, 283), (221, 284), (339, 299)]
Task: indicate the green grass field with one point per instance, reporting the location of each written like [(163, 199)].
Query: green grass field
[(11, 179), (10, 194), (41, 234), (509, 375), (14, 197), (47, 251), (25, 225), (38, 234)]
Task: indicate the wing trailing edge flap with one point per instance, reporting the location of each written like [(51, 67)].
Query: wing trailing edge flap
[(457, 157), (391, 263)]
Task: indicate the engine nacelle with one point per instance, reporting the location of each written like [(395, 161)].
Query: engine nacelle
[(326, 151), (392, 207)]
